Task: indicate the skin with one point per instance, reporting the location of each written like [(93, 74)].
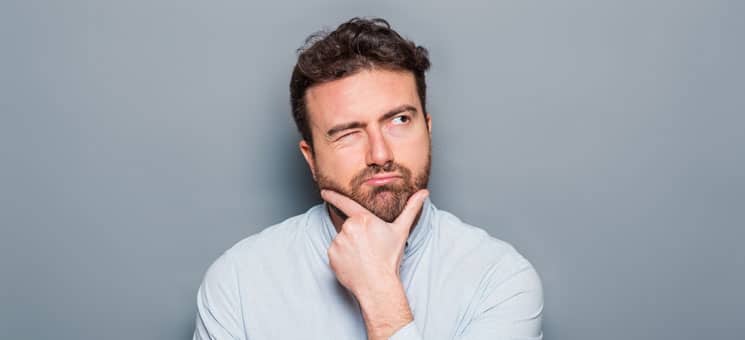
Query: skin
[(390, 126)]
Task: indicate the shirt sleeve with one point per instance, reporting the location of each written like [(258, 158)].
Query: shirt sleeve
[(510, 309), (408, 332), (219, 315)]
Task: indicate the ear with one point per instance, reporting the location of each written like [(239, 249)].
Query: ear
[(307, 152), (429, 124)]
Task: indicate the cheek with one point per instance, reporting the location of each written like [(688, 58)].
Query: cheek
[(341, 166), (398, 133), (411, 134), (413, 150)]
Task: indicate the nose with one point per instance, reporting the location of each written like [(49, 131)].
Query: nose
[(378, 152)]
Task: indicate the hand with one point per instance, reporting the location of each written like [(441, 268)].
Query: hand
[(366, 254)]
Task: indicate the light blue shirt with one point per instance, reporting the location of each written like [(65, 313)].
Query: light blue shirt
[(460, 282)]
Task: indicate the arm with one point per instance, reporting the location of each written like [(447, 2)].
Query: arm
[(385, 311), (218, 304), (366, 256)]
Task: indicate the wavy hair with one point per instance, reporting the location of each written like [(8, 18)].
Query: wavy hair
[(355, 45)]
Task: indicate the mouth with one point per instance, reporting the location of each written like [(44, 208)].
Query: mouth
[(382, 179)]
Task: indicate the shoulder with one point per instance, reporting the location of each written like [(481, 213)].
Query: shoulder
[(223, 292), (503, 291), (282, 234), (260, 249), (492, 270), (474, 246)]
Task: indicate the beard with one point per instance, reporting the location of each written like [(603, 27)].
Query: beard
[(386, 201)]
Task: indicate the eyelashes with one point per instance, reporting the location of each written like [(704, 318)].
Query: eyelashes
[(402, 118), (397, 121)]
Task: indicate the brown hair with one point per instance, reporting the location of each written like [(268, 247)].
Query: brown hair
[(355, 45)]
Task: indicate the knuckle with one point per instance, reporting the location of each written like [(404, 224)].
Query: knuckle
[(364, 219), (331, 252), (351, 227)]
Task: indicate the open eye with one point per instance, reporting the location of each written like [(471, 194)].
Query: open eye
[(402, 119)]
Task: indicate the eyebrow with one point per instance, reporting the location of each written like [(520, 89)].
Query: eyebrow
[(355, 125)]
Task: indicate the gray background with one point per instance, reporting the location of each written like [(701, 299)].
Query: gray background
[(604, 140)]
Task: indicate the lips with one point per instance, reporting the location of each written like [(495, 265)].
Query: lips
[(382, 179)]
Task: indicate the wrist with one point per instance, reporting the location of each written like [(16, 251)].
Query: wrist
[(378, 289), (385, 309)]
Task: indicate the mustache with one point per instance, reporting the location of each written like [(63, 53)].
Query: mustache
[(375, 169)]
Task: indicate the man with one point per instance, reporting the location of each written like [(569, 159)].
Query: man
[(377, 260)]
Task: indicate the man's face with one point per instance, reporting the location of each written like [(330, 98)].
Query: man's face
[(371, 140)]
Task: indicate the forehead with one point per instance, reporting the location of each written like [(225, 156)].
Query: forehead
[(362, 96)]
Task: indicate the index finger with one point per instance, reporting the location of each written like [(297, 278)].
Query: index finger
[(343, 203), (412, 208)]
